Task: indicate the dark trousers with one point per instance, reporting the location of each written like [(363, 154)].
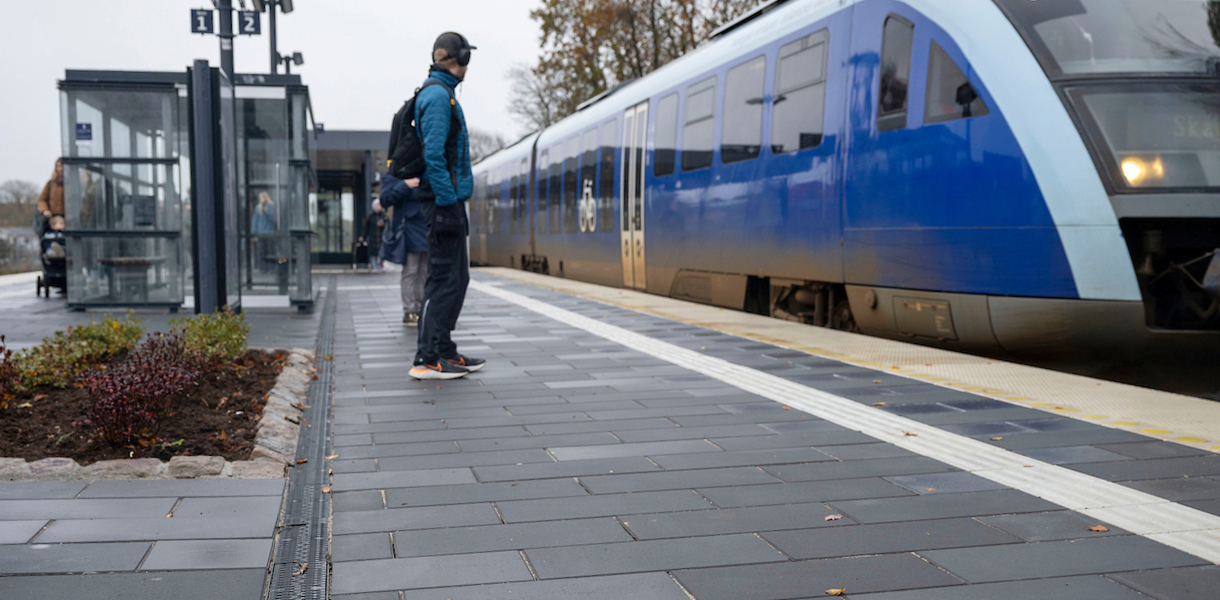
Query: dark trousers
[(445, 289)]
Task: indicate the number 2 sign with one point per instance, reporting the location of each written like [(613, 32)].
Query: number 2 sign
[(248, 22), (201, 20)]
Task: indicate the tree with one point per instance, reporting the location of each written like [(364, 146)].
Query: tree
[(483, 144), (18, 203), (590, 45)]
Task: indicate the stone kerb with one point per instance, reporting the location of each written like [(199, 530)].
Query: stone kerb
[(274, 444)]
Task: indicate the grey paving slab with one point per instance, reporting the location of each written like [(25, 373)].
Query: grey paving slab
[(19, 532), (741, 458), (944, 483), (887, 538), (691, 433), (398, 479), (245, 584), (1050, 526), (872, 467), (514, 536), (362, 500), (24, 510), (423, 517), (1192, 583), (726, 418), (1057, 559), (518, 511), (184, 488), (810, 425), (810, 491), (368, 596), (464, 459), (360, 465), (1179, 489), (732, 520), (427, 572), (833, 437), (398, 437), (597, 426), (565, 453), (70, 558), (942, 506), (1163, 468), (538, 441), (484, 492), (1154, 449), (865, 451), (353, 439), (1069, 455), (645, 586), (158, 528), (1056, 439), (634, 557), (348, 428), (571, 468), (363, 546), (386, 450), (674, 480), (800, 579), (1091, 587), (266, 506), (33, 490), (183, 555)]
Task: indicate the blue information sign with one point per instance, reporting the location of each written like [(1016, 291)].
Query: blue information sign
[(248, 22), (201, 20), (84, 134)]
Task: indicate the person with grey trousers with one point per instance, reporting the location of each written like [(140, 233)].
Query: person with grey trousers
[(404, 242)]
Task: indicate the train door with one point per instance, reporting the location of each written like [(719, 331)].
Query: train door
[(635, 129)]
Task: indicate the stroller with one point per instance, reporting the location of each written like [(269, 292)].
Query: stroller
[(52, 254)]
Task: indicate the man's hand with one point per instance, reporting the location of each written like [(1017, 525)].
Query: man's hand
[(412, 182)]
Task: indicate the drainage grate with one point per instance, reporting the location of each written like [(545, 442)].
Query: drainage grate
[(303, 527)]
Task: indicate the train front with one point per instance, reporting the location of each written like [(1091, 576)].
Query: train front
[(1141, 80)]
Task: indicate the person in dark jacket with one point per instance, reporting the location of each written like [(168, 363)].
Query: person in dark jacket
[(443, 190), (405, 242), (373, 225)]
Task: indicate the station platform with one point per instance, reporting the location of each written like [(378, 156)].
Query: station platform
[(610, 452)]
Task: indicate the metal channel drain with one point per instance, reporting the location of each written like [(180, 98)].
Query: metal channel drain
[(303, 529)]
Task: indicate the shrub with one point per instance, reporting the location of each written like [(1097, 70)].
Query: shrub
[(128, 399), (220, 336), (60, 358), (10, 381)]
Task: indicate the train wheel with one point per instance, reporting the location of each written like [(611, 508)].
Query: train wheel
[(843, 319)]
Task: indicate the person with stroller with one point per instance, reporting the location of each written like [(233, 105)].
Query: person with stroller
[(49, 226)]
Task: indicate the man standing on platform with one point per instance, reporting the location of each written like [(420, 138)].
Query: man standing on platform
[(443, 190)]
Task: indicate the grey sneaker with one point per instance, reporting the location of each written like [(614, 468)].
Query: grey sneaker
[(410, 319)]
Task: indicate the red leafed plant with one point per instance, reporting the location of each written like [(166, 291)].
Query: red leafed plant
[(128, 399), (10, 377)]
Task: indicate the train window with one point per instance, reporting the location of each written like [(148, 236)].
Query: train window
[(741, 138), (895, 73), (493, 204), (950, 95), (700, 123), (605, 179), (512, 204), (799, 104), (570, 191), (666, 137), (540, 209), (588, 172), (480, 197), (555, 188), (507, 197), (523, 197)]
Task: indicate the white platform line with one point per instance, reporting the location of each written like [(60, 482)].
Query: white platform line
[(1187, 529)]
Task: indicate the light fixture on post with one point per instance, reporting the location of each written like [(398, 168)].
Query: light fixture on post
[(296, 58), (285, 6)]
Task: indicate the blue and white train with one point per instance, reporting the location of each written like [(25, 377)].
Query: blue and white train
[(1030, 177)]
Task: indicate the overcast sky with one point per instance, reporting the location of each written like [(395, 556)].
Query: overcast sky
[(362, 58)]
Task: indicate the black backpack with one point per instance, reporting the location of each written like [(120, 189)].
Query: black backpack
[(406, 149)]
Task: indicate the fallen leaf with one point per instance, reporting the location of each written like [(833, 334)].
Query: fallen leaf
[(38, 397), (836, 591), (1029, 466), (24, 405), (929, 489), (315, 377), (332, 457), (832, 517), (1099, 528), (876, 381), (326, 489), (996, 438), (301, 461), (328, 357), (909, 434), (878, 404), (169, 516), (787, 408), (304, 567)]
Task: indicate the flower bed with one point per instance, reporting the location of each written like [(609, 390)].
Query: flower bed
[(92, 396)]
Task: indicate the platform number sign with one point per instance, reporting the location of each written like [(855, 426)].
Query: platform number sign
[(248, 22), (201, 20)]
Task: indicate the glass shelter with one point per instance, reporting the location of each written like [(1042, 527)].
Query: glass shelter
[(123, 199)]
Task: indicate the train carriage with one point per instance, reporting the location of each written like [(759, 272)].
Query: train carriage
[(1002, 176)]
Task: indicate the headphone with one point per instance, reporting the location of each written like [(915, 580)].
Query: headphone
[(463, 55)]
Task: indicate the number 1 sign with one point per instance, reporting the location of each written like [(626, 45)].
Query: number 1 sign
[(201, 20)]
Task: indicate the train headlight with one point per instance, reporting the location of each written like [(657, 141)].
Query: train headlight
[(1137, 171)]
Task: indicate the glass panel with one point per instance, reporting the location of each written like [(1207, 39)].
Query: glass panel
[(697, 133), (628, 162), (233, 246), (1162, 136), (1113, 36), (124, 270), (666, 140), (741, 138), (950, 95), (555, 187), (300, 129), (637, 196), (120, 123), (588, 174), (493, 204), (895, 73), (605, 195), (540, 209), (570, 192), (512, 204), (523, 195), (800, 94), (121, 197)]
